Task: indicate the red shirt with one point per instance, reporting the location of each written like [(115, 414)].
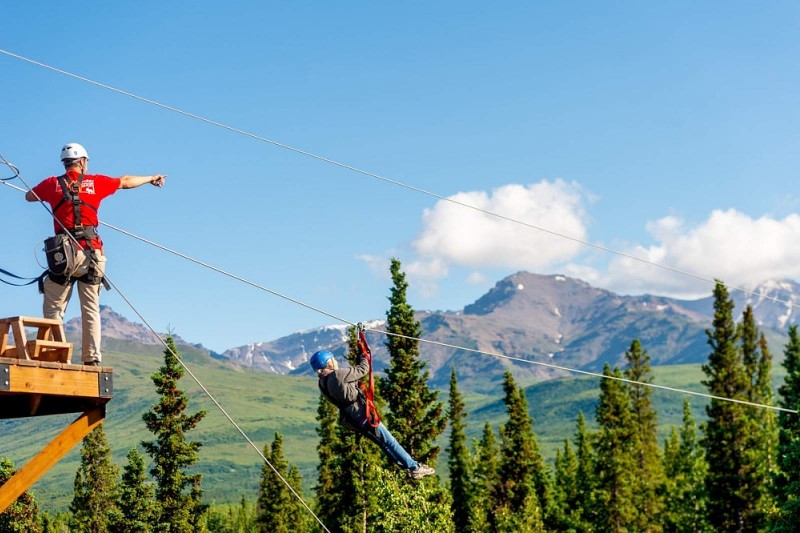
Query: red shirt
[(94, 188)]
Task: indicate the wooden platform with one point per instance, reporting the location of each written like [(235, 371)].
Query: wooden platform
[(36, 378), (34, 388)]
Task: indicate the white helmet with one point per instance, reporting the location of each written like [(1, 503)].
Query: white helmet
[(73, 151)]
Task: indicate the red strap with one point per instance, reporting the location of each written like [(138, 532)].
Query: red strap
[(373, 418)]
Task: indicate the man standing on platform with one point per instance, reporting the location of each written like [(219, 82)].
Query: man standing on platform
[(74, 198)]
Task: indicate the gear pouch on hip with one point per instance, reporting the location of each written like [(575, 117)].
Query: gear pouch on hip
[(61, 255)]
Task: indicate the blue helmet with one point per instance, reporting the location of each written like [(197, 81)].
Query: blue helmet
[(320, 359)]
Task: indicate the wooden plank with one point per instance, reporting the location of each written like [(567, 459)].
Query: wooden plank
[(45, 333), (20, 338), (49, 456), (45, 350), (34, 379), (37, 321), (5, 334), (58, 333)]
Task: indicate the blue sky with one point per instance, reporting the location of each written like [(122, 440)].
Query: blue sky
[(665, 130)]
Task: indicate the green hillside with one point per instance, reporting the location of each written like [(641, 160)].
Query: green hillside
[(264, 403)]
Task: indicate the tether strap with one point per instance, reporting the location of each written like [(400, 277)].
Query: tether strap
[(373, 418), (7, 273)]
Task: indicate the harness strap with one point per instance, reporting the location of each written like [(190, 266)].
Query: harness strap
[(7, 273), (71, 193), (373, 418)]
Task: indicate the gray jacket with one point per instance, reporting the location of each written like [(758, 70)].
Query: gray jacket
[(340, 387)]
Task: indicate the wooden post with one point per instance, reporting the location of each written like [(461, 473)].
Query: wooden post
[(50, 455)]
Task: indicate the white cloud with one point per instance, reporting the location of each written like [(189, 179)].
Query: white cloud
[(379, 265), (731, 246), (453, 234), (477, 278)]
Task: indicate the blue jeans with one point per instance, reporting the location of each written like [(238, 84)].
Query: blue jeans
[(381, 436)]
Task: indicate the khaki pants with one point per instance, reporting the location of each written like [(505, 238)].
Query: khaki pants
[(56, 298)]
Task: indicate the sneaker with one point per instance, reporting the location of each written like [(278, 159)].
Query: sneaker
[(91, 363), (421, 472)]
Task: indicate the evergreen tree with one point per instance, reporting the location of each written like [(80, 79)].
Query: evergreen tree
[(23, 515), (279, 511), (330, 500), (584, 511), (57, 523), (649, 469), (524, 489), (95, 497), (136, 505), (459, 460), (486, 481), (734, 477), (229, 518), (417, 507), (787, 479), (615, 458), (178, 493), (684, 479), (574, 482), (415, 416), (761, 438), (565, 488)]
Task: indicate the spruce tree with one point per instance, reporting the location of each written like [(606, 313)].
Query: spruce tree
[(278, 509), (649, 468), (94, 500), (178, 493), (459, 460), (524, 487), (485, 481), (330, 500), (565, 488), (787, 479), (734, 473), (584, 511), (23, 514), (135, 501), (685, 469), (415, 416), (615, 457), (761, 444)]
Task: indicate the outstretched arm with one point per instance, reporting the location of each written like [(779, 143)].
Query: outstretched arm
[(131, 182)]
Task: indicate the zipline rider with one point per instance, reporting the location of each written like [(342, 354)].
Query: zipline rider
[(340, 386), (74, 198)]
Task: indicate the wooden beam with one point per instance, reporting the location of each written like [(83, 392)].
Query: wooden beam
[(20, 338), (42, 380), (50, 455)]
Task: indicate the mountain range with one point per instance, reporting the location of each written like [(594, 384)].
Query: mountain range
[(550, 319)]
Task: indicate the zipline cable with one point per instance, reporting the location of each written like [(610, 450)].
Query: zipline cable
[(368, 173), (167, 347), (437, 343)]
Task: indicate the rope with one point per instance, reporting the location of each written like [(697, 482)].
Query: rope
[(452, 346), (167, 348), (397, 183)]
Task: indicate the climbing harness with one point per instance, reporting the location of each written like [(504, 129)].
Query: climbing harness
[(373, 418), (62, 250)]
